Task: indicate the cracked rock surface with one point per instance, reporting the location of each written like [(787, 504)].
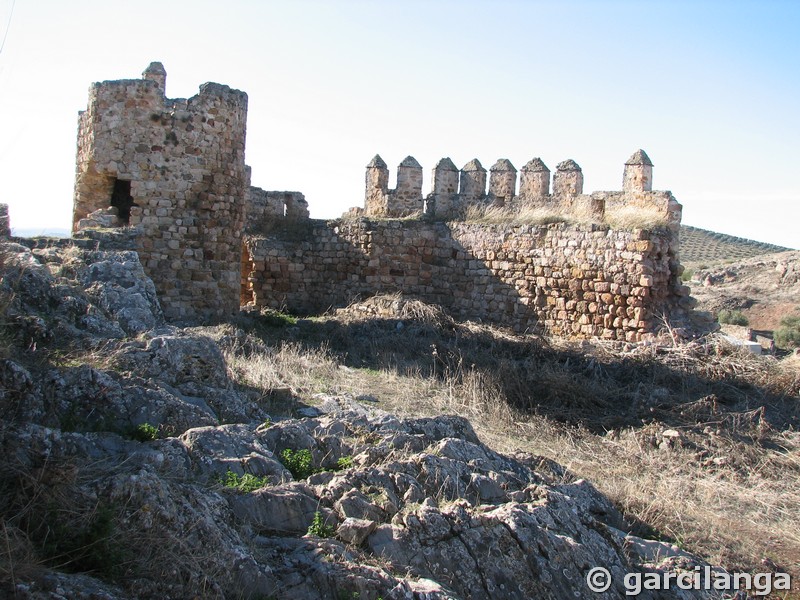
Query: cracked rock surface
[(386, 507)]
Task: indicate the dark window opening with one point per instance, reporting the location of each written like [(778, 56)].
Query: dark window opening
[(122, 200)]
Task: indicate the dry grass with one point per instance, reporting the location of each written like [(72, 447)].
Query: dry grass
[(728, 488), (737, 511), (635, 217), (624, 217), (490, 215)]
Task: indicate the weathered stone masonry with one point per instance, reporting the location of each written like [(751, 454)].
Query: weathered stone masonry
[(174, 169), (570, 280)]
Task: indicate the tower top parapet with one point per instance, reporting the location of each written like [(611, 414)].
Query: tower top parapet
[(410, 161), (503, 164), (473, 165), (639, 158), (377, 163), (446, 164), (568, 165), (155, 71), (536, 165)]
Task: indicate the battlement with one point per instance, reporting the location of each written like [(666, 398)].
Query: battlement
[(453, 192), (170, 176), (406, 199)]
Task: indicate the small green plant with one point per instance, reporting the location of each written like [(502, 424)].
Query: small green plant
[(731, 317), (344, 462), (300, 462), (788, 334), (318, 527), (244, 483), (687, 275), (145, 432), (275, 318)]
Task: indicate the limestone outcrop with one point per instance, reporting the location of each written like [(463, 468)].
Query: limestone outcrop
[(126, 468)]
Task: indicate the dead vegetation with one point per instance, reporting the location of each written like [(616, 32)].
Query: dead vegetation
[(696, 443), (635, 217), (490, 215), (623, 217)]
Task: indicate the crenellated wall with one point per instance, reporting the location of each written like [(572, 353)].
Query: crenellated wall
[(454, 192), (405, 200), (175, 170), (570, 280)]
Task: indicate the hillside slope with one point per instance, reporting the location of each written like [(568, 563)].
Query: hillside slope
[(702, 247), (763, 288)]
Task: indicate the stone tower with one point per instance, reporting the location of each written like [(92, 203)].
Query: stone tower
[(472, 185), (638, 175), (377, 187), (568, 180), (534, 180), (175, 170), (407, 196), (445, 188), (502, 181)]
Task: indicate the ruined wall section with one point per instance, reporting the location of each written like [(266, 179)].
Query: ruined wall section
[(5, 221), (265, 208), (575, 281), (180, 163)]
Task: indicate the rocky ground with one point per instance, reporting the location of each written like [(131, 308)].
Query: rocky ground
[(764, 288), (134, 466)]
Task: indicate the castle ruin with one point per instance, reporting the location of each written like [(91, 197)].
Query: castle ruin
[(173, 172), (174, 169), (454, 191)]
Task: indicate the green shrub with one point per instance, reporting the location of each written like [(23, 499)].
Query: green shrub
[(145, 432), (732, 317), (687, 275), (318, 527), (300, 463), (244, 483), (788, 334), (276, 318), (344, 462)]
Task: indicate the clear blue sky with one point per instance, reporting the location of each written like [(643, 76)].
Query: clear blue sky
[(710, 90)]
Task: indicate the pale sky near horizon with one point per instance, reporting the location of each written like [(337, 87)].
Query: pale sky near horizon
[(709, 89)]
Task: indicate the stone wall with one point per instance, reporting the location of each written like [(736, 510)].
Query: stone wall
[(569, 280), (175, 170), (5, 222), (264, 208), (454, 192), (405, 200), (171, 176)]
